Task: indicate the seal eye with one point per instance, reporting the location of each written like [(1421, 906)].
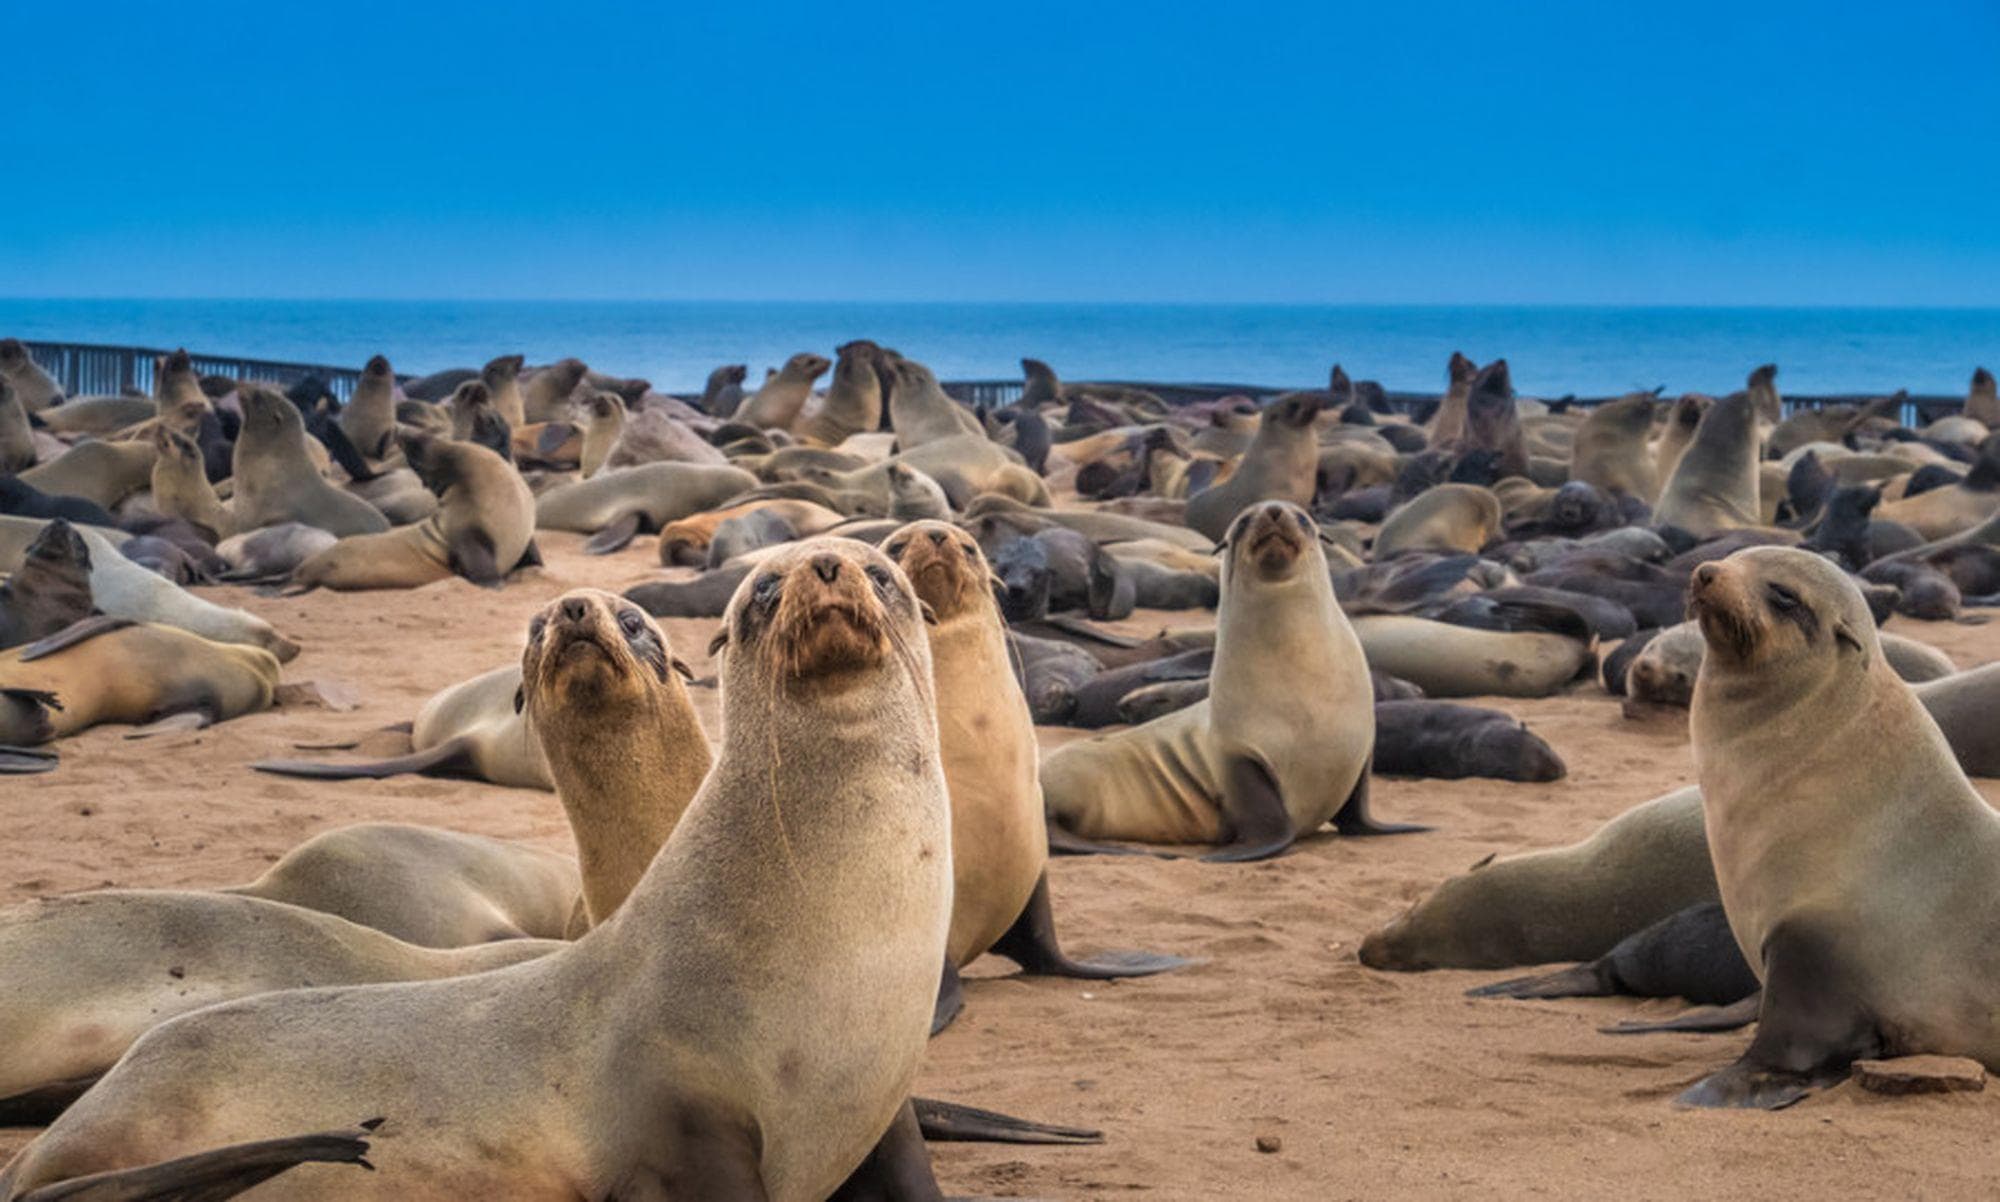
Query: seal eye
[(1783, 600), (631, 622), (766, 590), (880, 575), (1301, 519), (896, 550), (971, 551)]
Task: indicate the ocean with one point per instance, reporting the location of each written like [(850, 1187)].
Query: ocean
[(1586, 351)]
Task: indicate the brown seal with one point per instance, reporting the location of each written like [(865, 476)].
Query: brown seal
[(369, 420), (1281, 464), (51, 588), (783, 397), (276, 480), (107, 670)]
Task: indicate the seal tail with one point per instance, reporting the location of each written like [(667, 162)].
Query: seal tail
[(215, 1175), (453, 757), (949, 1122)]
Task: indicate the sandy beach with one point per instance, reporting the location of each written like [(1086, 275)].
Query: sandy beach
[(1369, 1085)]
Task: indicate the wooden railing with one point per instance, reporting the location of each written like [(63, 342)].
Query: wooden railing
[(88, 370)]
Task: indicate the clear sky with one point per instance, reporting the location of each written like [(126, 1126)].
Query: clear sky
[(1789, 152)]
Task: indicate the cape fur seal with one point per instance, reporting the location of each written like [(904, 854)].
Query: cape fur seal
[(1000, 842), (615, 504), (277, 481), (722, 989), (1714, 486), (17, 438), (369, 418), (483, 528), (1612, 448), (1280, 464), (472, 728), (1524, 649), (853, 401), (919, 410), (783, 397), (1259, 762), (36, 388), (50, 590), (107, 670), (1857, 865), (105, 473), (602, 693), (1448, 518), (123, 589)]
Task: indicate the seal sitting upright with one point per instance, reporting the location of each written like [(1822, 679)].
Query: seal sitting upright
[(747, 1025), (1281, 744), (1859, 869)]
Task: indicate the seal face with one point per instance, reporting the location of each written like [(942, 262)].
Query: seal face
[(818, 615), (586, 645)]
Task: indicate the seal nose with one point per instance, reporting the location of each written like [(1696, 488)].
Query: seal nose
[(573, 608), (827, 567), (1705, 574), (937, 537)]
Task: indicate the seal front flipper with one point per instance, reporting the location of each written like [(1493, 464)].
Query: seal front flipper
[(212, 1176), (897, 1170), (1702, 1020), (613, 537), (39, 1107), (950, 998), (1354, 819), (1254, 813), (199, 717), (453, 757), (23, 761), (1811, 1028), (81, 631), (949, 1122), (1031, 943)]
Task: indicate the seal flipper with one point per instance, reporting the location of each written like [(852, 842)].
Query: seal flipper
[(24, 761), (897, 1170), (471, 556), (1063, 842), (1811, 1027), (214, 1175), (614, 536), (40, 1106), (1702, 1020), (453, 757), (80, 631), (950, 998), (531, 557), (1578, 980), (1031, 943), (1353, 817), (949, 1122), (1691, 953), (1254, 813)]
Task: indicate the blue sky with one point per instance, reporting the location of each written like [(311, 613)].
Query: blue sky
[(1404, 152)]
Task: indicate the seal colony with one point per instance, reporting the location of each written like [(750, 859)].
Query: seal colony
[(899, 596)]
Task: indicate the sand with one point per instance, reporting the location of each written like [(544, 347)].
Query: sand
[(1372, 1084)]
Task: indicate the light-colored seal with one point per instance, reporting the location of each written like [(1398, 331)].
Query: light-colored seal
[(1612, 449), (1713, 486), (36, 388), (123, 589), (276, 480), (369, 420), (1000, 841), (181, 487), (1982, 401), (1859, 869), (472, 728), (107, 670), (1281, 464), (853, 401), (104, 472), (603, 418), (783, 397), (1268, 756), (602, 692), (919, 409), (1445, 659), (429, 887), (1448, 423), (720, 1000), (484, 525), (17, 438), (546, 392), (614, 505), (1450, 518)]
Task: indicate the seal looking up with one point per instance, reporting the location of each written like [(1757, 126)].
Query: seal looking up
[(1859, 869), (755, 1011)]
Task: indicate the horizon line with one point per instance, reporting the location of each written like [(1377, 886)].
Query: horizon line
[(1022, 303)]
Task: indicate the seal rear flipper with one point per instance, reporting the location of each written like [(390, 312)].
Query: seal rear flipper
[(1811, 1027), (41, 1106), (1031, 943), (1702, 1020), (215, 1175), (950, 998), (897, 1170), (1578, 980), (949, 1122), (613, 537), (1353, 817), (471, 556), (453, 757), (1254, 813), (23, 761), (199, 717), (80, 631), (1064, 842), (531, 557)]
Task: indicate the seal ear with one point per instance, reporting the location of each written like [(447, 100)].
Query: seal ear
[(720, 641), (520, 697), (1843, 636), (930, 615), (680, 665)]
